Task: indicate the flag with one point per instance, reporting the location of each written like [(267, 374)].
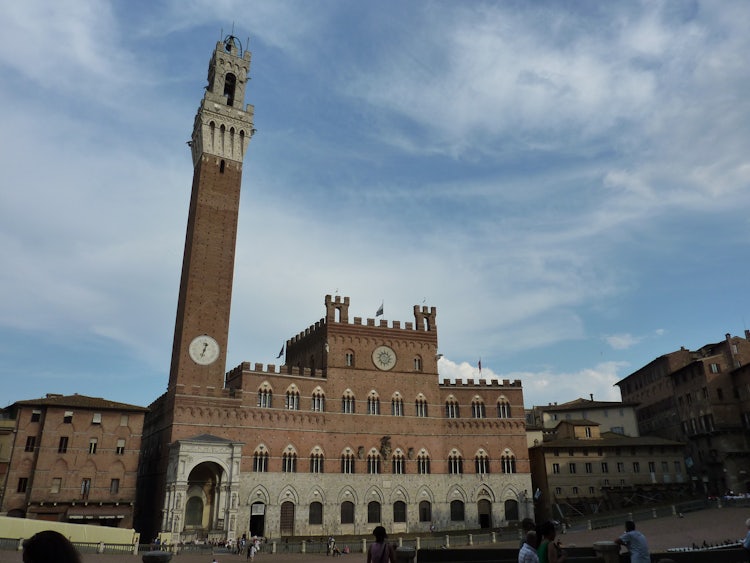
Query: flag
[(380, 311), (281, 352), (480, 366)]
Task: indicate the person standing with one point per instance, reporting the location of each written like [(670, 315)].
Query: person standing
[(636, 544), (380, 551), (528, 549), (549, 551)]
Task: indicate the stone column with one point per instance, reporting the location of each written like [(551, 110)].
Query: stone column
[(609, 551)]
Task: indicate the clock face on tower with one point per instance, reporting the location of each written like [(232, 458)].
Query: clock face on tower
[(204, 350), (384, 358)]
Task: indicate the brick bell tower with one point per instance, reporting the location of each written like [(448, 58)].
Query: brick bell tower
[(221, 133)]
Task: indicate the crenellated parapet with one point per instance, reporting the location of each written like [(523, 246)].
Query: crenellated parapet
[(424, 318), (337, 336), (481, 383), (237, 375), (337, 309)]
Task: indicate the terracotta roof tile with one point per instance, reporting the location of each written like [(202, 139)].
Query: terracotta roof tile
[(78, 401)]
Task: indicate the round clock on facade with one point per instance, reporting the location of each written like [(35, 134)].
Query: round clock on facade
[(204, 350), (384, 357)]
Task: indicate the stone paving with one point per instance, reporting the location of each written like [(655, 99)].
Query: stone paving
[(713, 526)]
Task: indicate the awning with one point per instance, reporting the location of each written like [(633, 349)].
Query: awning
[(98, 512)]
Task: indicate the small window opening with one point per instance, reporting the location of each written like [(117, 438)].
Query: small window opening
[(230, 82)]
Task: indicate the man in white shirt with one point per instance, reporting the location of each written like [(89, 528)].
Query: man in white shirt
[(636, 544), (528, 549)]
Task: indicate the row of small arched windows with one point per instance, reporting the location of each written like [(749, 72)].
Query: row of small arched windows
[(373, 463), (349, 404)]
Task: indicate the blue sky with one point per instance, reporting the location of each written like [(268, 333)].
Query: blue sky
[(567, 182)]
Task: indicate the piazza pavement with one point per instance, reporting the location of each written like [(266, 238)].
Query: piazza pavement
[(713, 526)]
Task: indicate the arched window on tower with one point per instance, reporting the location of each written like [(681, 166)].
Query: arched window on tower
[(451, 408), (347, 402), (316, 461), (265, 396), (289, 461), (477, 408), (260, 460), (508, 463), (503, 408), (318, 400), (230, 84), (423, 463), (373, 404), (397, 405), (455, 463), (292, 399), (398, 462), (373, 463), (421, 406), (481, 463), (347, 462)]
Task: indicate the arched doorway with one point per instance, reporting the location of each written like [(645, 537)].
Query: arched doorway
[(194, 512), (202, 502), (484, 511), (511, 509), (257, 519), (287, 519)]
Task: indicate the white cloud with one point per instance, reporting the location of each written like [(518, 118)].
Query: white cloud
[(622, 341), (545, 386)]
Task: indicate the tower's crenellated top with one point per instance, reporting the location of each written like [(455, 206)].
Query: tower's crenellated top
[(224, 125), (424, 318), (337, 309)]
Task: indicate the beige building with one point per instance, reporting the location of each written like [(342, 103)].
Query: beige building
[(354, 429), (611, 416), (73, 459), (577, 470)]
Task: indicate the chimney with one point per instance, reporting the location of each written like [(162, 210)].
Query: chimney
[(592, 396)]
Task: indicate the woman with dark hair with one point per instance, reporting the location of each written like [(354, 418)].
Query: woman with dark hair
[(47, 546), (380, 551), (549, 551)]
